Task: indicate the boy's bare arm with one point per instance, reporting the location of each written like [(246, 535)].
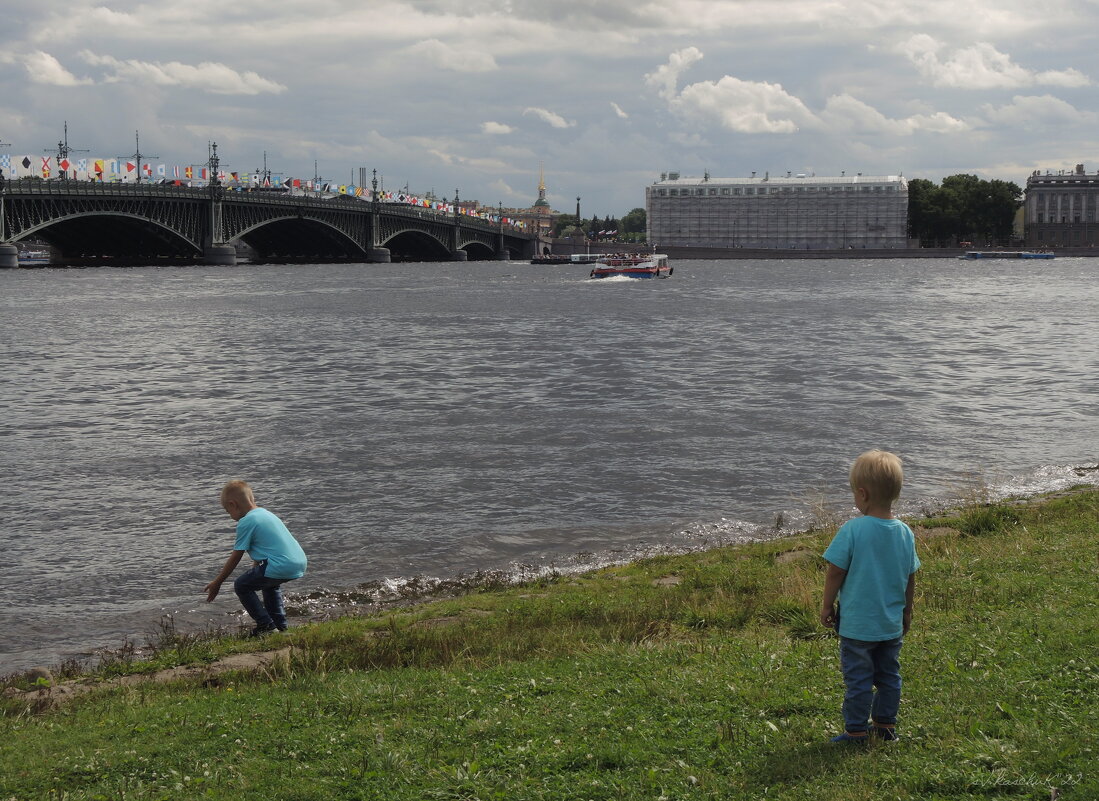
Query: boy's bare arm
[(909, 598), (833, 580), (226, 570)]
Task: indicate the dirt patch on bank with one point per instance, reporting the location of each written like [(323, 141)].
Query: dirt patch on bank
[(43, 698)]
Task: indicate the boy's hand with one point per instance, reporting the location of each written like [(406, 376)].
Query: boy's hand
[(212, 590), (828, 617), (907, 621)]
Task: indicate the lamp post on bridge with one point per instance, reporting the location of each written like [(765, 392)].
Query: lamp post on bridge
[(501, 251), (455, 253), (217, 250), (376, 253)]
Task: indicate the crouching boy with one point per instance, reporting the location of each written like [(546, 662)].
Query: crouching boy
[(277, 555)]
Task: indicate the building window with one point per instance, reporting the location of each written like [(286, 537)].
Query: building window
[(736, 191), (663, 192), (725, 190)]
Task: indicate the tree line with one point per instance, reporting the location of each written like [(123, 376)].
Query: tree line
[(963, 208), (630, 228)]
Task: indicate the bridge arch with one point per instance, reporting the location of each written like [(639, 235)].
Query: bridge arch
[(413, 245), (292, 237), (113, 235)]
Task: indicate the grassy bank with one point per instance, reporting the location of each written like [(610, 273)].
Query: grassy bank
[(702, 676)]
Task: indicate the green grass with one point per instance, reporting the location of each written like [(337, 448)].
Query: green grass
[(610, 686)]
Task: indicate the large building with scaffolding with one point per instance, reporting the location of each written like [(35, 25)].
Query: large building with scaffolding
[(801, 212)]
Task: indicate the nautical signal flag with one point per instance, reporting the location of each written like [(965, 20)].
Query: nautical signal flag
[(161, 170), (45, 166), (130, 166), (188, 172)]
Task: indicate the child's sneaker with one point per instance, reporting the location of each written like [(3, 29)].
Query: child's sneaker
[(857, 738), (259, 631), (884, 731)]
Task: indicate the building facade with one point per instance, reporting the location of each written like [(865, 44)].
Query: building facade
[(539, 218), (1061, 210), (796, 211)]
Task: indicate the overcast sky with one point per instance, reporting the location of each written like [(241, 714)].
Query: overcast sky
[(473, 95)]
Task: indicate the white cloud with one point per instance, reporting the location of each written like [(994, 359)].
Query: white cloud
[(44, 68), (496, 128), (847, 113), (665, 78), (980, 66), (1042, 111), (556, 120), (619, 112), (207, 76), (744, 106), (444, 56)]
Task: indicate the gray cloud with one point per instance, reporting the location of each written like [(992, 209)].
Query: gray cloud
[(476, 94)]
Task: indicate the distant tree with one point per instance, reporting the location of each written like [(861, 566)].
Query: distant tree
[(963, 208), (563, 222), (634, 221)]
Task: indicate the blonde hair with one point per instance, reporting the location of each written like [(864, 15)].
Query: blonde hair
[(240, 491), (880, 473)]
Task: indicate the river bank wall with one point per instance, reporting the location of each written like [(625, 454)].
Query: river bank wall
[(569, 247)]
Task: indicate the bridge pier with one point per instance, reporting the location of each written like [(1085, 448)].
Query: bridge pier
[(9, 256), (221, 255), (379, 255), (459, 255)]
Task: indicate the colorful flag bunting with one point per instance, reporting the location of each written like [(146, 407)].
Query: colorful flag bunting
[(188, 172)]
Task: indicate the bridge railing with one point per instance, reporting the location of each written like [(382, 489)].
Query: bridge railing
[(58, 187), (33, 186)]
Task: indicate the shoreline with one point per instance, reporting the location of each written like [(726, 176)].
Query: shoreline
[(700, 676), (392, 594)]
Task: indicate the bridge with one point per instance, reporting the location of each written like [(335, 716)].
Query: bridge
[(143, 223)]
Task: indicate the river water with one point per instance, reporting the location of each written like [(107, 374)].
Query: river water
[(433, 420)]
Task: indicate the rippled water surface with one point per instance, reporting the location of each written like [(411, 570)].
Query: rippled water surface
[(438, 419)]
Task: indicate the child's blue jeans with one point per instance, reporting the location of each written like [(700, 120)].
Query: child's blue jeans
[(248, 586), (866, 666)]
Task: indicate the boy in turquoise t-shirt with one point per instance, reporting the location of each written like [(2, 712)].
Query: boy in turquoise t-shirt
[(872, 564), (277, 555)]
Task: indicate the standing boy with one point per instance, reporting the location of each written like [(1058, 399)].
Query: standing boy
[(277, 555), (872, 564)]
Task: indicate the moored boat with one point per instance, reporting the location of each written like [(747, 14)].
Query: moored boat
[(633, 265), (33, 258), (1007, 254)]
